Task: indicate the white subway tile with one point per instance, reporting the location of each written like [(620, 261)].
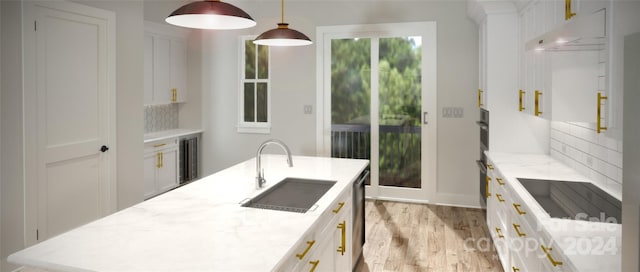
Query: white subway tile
[(614, 158), (614, 173), (581, 145), (614, 188), (600, 166), (599, 179)]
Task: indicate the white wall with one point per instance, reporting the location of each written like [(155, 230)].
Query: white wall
[(11, 208), (293, 82), (129, 76)]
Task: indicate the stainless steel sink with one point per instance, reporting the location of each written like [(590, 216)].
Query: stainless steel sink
[(291, 194)]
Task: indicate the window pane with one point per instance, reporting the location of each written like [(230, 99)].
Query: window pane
[(249, 59), (262, 102), (249, 98), (263, 62)]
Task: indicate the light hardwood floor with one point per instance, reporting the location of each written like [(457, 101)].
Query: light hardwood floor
[(422, 237)]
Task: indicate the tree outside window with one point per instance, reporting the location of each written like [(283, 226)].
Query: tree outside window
[(254, 93)]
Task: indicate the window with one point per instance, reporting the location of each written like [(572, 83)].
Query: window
[(254, 114)]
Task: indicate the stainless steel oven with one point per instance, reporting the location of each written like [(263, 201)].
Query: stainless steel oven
[(483, 123)]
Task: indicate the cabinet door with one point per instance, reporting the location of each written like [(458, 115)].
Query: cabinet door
[(168, 170), (179, 69), (162, 93), (148, 69), (323, 259), (150, 165)]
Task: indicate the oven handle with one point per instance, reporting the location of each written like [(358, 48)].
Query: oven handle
[(483, 168), (482, 125)]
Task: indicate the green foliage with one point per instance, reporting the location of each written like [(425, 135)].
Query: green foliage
[(399, 97)]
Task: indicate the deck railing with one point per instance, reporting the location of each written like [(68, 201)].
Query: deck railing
[(399, 145)]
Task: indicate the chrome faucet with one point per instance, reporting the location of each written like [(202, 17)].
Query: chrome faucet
[(260, 172)]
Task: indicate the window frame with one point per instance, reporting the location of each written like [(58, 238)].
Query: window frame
[(255, 126)]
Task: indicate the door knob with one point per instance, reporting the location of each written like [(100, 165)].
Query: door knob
[(104, 148)]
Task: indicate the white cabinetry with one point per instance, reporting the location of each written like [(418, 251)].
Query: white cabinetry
[(160, 167), (165, 64), (326, 246)]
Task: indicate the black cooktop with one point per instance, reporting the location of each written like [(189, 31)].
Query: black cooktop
[(574, 200)]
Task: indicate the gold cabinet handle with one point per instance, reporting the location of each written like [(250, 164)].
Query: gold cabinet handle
[(480, 98), (499, 232), (490, 166), (499, 197), (521, 101), (158, 145), (567, 10), (314, 264), (517, 228), (159, 159), (517, 207), (537, 111), (600, 128), (499, 180), (486, 188), (343, 242), (515, 269), (340, 205), (309, 245), (174, 95), (547, 251)]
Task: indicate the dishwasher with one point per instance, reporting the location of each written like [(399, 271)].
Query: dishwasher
[(358, 218)]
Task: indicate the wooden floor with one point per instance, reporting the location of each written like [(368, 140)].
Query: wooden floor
[(421, 237)]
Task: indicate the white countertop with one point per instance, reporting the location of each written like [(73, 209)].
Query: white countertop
[(171, 133), (197, 227), (587, 246)]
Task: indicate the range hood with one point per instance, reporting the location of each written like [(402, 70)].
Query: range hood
[(583, 33)]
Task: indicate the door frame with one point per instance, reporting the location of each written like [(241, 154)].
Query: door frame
[(30, 145), (429, 100)]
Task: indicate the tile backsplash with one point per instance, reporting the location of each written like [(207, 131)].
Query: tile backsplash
[(597, 156), (160, 117)]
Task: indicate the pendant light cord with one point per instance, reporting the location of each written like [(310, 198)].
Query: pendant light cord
[(282, 11)]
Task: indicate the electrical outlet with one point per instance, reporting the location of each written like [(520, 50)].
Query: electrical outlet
[(452, 112), (590, 160), (308, 109)]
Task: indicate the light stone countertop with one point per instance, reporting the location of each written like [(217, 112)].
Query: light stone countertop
[(197, 227), (586, 246), (171, 133)]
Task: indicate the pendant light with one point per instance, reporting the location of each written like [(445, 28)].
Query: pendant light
[(282, 36), (210, 14)]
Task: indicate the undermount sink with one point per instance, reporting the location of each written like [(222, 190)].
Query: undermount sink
[(291, 194)]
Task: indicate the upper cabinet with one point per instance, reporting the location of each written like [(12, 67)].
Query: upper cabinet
[(165, 64), (563, 56)]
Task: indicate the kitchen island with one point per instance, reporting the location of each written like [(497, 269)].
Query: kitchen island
[(200, 226)]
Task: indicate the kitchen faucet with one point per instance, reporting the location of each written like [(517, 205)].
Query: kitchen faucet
[(260, 172)]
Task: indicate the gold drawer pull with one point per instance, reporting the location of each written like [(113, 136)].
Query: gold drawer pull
[(480, 98), (486, 188), (521, 103), (517, 207), (547, 251), (517, 228), (343, 242), (340, 205), (159, 160), (536, 102), (499, 232), (499, 180), (599, 126), (309, 245), (174, 95), (490, 166), (515, 269), (158, 145), (499, 197), (314, 264)]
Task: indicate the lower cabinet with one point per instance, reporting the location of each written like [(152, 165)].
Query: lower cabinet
[(327, 246), (160, 167)]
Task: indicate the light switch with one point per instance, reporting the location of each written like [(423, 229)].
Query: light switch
[(308, 109)]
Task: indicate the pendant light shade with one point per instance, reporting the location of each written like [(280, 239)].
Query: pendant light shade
[(283, 35), (210, 14)]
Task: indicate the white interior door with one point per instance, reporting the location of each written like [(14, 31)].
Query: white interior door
[(72, 110)]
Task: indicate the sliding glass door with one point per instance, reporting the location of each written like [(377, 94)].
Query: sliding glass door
[(379, 103)]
